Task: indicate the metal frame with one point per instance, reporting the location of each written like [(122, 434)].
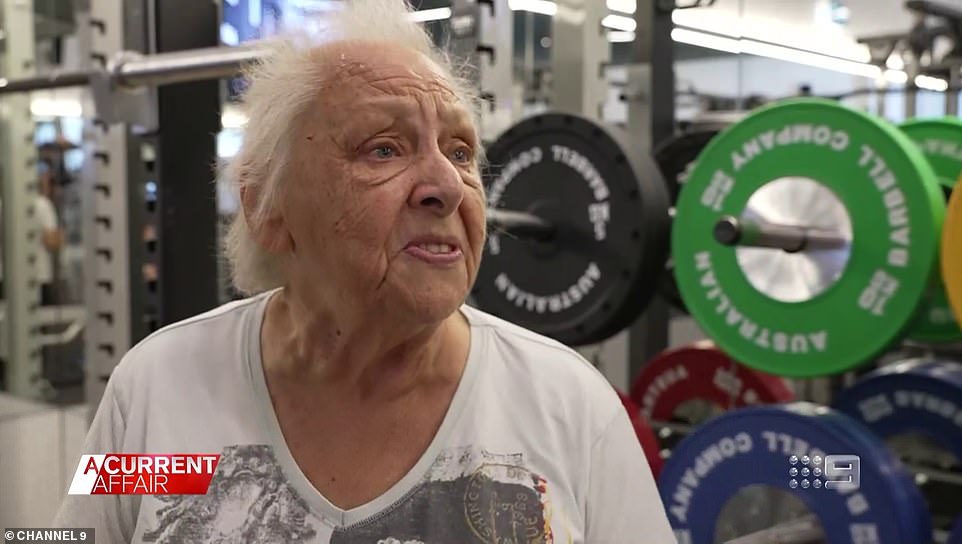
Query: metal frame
[(579, 54), (20, 233), (481, 33), (110, 161), (189, 119), (651, 119)]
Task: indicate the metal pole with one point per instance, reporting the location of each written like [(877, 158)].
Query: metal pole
[(732, 231), (951, 96), (520, 224), (133, 70), (110, 168), (55, 80), (651, 119), (579, 53), (20, 232), (188, 119), (529, 50), (186, 66)]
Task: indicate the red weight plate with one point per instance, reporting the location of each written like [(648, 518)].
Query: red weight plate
[(649, 443), (701, 371)]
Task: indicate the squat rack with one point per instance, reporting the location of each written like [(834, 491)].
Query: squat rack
[(144, 129)]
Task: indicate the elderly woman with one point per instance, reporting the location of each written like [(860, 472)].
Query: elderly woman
[(354, 397)]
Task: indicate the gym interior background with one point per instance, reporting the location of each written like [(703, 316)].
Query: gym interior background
[(713, 200)]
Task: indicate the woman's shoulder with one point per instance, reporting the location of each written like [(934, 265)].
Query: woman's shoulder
[(193, 343), (544, 367)]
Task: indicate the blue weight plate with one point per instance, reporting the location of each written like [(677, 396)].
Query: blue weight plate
[(955, 537), (918, 396), (753, 445), (915, 515)]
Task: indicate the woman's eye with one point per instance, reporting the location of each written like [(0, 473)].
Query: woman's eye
[(384, 152), (462, 154)]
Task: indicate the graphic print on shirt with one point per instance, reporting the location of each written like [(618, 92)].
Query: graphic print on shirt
[(468, 496), (249, 500)]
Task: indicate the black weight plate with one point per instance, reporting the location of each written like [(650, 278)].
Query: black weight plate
[(676, 157), (610, 212)]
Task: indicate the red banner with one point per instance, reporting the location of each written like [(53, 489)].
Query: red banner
[(144, 474)]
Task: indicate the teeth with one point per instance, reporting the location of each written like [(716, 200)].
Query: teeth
[(437, 248)]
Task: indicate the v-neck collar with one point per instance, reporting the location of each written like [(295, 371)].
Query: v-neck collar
[(327, 511)]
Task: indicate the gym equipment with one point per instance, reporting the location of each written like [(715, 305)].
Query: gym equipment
[(68, 321), (917, 396), (699, 381), (734, 476), (577, 229), (951, 257), (915, 406), (676, 157), (116, 87), (941, 142), (646, 437), (852, 210), (955, 537), (574, 254)]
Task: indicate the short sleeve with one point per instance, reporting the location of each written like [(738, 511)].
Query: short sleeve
[(106, 514), (623, 501)]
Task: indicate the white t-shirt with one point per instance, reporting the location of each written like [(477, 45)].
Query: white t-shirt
[(535, 447), (46, 216)]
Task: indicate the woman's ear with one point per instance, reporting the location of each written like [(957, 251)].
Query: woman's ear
[(269, 230)]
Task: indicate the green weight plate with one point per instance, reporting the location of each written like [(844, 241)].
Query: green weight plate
[(941, 143), (816, 312)]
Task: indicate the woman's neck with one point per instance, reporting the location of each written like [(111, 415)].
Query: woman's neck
[(359, 353)]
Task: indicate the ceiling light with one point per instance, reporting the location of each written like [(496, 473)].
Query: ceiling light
[(619, 36), (435, 14), (624, 6), (895, 62), (897, 77), (543, 7), (817, 60), (931, 83), (619, 22)]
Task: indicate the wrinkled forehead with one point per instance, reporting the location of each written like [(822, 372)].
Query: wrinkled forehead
[(363, 70)]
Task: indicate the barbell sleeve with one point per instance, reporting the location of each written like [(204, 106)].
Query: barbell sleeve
[(733, 231), (132, 70), (185, 66), (55, 80), (520, 224)]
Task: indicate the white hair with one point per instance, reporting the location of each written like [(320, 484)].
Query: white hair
[(280, 89)]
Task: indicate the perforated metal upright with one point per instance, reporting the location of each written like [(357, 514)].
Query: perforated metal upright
[(112, 161), (20, 233), (482, 34), (579, 54)]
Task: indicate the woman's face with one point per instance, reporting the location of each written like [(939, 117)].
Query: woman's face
[(386, 204)]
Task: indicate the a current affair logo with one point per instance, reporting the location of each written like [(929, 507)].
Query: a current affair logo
[(144, 474)]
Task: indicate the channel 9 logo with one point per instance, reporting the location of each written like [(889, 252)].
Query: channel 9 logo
[(839, 472)]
